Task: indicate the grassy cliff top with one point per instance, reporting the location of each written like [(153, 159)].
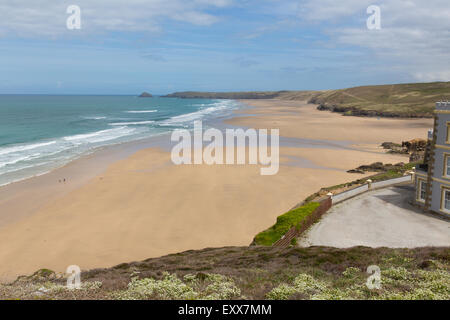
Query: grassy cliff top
[(407, 100), (396, 100), (256, 273), (283, 95), (227, 95)]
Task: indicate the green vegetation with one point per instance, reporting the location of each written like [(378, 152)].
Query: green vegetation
[(398, 100), (388, 171), (224, 95), (397, 283), (392, 173), (194, 287), (256, 272), (284, 223), (285, 95)]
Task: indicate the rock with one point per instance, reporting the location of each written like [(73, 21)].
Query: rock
[(145, 95), (377, 167), (390, 145), (416, 157), (354, 111), (394, 148), (398, 151), (415, 145), (356, 171), (41, 292)]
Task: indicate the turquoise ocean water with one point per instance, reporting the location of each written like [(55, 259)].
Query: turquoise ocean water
[(40, 132)]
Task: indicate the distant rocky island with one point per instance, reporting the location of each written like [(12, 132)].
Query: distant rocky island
[(145, 95)]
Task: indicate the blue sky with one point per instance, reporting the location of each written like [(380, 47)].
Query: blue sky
[(126, 47)]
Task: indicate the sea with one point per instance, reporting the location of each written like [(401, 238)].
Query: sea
[(41, 132)]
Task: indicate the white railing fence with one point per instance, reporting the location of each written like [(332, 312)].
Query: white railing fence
[(336, 198), (391, 182)]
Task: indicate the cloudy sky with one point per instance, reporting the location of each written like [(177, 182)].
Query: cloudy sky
[(161, 46)]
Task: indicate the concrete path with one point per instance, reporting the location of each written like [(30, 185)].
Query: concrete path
[(382, 218)]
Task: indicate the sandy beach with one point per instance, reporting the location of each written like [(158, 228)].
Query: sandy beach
[(139, 205)]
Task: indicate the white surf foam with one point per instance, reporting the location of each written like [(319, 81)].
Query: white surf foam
[(24, 147), (141, 111), (112, 135), (136, 123), (94, 118), (217, 107), (19, 159), (93, 137)]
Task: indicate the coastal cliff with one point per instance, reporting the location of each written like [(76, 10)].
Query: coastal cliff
[(414, 100), (253, 273), (225, 95), (354, 111)]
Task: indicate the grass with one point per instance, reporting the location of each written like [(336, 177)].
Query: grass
[(393, 173), (284, 223), (226, 95), (256, 273), (398, 100)]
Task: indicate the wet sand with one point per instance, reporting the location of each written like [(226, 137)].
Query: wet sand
[(139, 205)]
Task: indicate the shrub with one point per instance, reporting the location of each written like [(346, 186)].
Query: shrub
[(303, 283), (282, 292), (221, 288), (284, 223), (207, 287), (169, 288), (351, 272), (396, 273)]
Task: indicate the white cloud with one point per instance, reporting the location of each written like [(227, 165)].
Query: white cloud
[(415, 33), (432, 76), (331, 10), (414, 38), (47, 18)]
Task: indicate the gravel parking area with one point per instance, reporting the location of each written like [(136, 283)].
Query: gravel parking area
[(381, 218)]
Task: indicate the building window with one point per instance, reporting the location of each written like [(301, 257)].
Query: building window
[(423, 190), (448, 133), (446, 200), (447, 165)]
